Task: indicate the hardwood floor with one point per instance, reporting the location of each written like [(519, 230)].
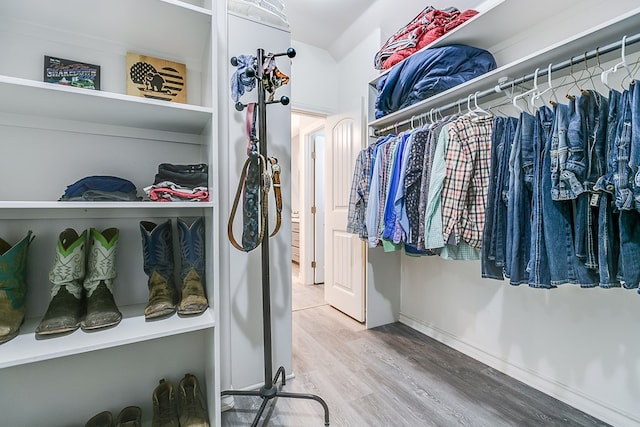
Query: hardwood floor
[(393, 376)]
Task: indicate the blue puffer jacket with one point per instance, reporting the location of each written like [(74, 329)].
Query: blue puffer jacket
[(427, 73)]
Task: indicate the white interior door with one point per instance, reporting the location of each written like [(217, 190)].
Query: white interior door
[(344, 286)]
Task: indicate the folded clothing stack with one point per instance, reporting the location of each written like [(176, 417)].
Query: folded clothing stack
[(99, 188), (179, 183), (428, 73), (428, 26)]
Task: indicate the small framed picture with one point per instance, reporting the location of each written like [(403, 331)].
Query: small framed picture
[(71, 73), (156, 78)]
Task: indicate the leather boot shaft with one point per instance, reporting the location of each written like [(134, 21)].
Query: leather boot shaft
[(157, 249), (66, 306), (192, 265), (13, 286), (102, 311)]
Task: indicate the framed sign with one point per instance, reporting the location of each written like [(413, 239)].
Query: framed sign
[(71, 73), (156, 78)]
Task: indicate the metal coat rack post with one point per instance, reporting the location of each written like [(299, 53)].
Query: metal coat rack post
[(269, 390)]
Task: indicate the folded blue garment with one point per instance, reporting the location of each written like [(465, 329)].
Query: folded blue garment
[(427, 73), (99, 183)]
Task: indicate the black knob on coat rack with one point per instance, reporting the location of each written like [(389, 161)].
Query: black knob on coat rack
[(239, 106), (284, 100), (250, 72), (291, 52), (234, 61)]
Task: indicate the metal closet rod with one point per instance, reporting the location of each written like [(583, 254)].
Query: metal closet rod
[(501, 86)]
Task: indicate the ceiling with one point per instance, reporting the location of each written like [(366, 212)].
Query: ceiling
[(321, 22)]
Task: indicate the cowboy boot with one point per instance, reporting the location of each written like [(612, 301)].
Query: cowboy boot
[(66, 305), (102, 311), (13, 286), (190, 404), (158, 265), (165, 410), (193, 299)]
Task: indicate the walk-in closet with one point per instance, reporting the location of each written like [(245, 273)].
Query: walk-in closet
[(223, 213)]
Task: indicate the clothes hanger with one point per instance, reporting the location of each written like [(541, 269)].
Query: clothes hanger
[(526, 93), (568, 95), (604, 77), (549, 88), (478, 110)]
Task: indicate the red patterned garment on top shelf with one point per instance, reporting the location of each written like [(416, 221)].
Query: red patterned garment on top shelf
[(428, 26)]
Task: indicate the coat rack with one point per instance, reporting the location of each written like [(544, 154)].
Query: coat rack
[(269, 390)]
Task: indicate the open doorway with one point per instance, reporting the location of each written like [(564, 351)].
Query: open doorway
[(307, 208)]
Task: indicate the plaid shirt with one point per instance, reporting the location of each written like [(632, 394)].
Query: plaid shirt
[(359, 194), (464, 194)]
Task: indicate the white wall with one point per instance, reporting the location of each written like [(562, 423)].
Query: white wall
[(314, 76), (578, 345)]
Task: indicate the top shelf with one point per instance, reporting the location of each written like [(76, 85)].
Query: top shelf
[(150, 24), (605, 33)]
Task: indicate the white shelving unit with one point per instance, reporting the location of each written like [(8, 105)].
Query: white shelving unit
[(52, 136), (493, 30)]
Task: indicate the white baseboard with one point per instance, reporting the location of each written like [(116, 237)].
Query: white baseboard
[(549, 386)]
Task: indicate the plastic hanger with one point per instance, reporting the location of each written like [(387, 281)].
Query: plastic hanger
[(604, 77), (549, 88), (477, 109)]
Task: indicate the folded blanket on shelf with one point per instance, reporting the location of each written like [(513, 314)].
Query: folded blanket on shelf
[(428, 26), (428, 73)]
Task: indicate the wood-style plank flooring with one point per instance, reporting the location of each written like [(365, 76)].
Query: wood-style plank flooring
[(393, 376)]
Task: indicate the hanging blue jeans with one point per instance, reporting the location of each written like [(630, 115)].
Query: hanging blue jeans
[(538, 267), (608, 219), (564, 267), (587, 133), (634, 158), (493, 243), (519, 202)]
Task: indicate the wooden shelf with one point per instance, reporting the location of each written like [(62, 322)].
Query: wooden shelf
[(133, 328)]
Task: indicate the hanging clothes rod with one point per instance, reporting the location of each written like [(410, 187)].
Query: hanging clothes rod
[(526, 78)]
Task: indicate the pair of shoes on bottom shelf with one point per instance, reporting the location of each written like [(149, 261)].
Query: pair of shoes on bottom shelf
[(131, 416), (183, 407)]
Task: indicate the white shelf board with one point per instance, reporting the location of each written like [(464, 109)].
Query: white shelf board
[(28, 97), (133, 328), (603, 34), (28, 210), (102, 205), (152, 25)]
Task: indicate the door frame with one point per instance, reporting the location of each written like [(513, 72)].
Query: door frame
[(306, 189)]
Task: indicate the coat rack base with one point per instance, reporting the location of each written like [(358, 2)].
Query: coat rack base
[(268, 393)]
